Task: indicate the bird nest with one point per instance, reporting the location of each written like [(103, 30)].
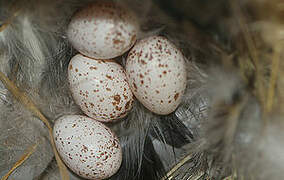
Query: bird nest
[(227, 126)]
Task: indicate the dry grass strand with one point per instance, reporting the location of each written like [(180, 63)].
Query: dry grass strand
[(30, 105), (22, 159)]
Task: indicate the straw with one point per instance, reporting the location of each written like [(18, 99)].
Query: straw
[(22, 159), (30, 105)]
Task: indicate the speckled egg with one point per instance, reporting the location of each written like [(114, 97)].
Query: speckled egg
[(157, 74), (103, 30), (100, 88), (87, 147)]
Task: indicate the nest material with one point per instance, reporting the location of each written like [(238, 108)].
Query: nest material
[(228, 125)]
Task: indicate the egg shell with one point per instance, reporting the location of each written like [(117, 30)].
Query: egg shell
[(103, 30), (87, 147), (156, 73), (100, 88)]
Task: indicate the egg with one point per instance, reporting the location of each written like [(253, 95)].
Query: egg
[(100, 88), (87, 147), (103, 30), (156, 73)]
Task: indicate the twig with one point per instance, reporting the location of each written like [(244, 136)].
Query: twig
[(22, 159), (251, 49), (177, 166), (30, 105), (11, 18), (273, 77)]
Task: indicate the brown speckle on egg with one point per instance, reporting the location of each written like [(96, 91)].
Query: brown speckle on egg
[(125, 97), (117, 98), (143, 62), (127, 105), (118, 108), (93, 68), (109, 77), (176, 96), (135, 86)]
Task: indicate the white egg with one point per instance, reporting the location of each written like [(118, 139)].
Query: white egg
[(157, 74), (103, 30), (100, 88), (87, 147)]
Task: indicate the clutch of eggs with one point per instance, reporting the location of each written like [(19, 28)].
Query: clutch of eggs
[(103, 30), (100, 88), (156, 74), (87, 147)]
